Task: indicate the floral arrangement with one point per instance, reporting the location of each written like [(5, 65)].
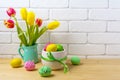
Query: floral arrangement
[(33, 26)]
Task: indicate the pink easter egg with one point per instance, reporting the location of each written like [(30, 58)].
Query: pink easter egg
[(47, 45), (29, 65)]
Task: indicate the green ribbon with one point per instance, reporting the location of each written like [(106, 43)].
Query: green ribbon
[(51, 58)]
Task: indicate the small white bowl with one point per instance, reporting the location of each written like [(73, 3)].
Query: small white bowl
[(54, 65)]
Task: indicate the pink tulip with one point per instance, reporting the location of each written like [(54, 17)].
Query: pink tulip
[(9, 23), (38, 21), (11, 12)]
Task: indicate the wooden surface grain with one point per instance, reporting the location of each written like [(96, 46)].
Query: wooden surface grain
[(89, 69)]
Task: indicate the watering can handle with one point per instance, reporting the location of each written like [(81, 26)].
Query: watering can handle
[(19, 50)]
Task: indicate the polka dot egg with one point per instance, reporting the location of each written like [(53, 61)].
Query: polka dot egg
[(29, 65)]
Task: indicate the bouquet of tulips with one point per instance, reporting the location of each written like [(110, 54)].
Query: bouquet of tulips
[(33, 26)]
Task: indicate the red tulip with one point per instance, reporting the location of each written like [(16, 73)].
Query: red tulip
[(9, 23), (38, 21), (11, 12)]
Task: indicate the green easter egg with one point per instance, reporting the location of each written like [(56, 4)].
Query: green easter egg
[(60, 47), (75, 60), (45, 71)]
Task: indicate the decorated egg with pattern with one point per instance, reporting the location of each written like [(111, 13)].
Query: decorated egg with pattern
[(45, 71), (29, 65)]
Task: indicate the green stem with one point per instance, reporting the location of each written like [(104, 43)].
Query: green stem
[(20, 33), (32, 35), (28, 31), (35, 33), (42, 31)]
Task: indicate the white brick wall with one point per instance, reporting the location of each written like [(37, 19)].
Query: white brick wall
[(87, 49), (104, 14), (49, 3), (113, 49), (14, 3), (69, 14), (104, 38), (113, 26), (89, 28), (114, 3), (68, 37), (9, 49), (5, 37), (89, 3)]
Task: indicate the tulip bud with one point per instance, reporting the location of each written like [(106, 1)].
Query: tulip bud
[(53, 25), (11, 12), (23, 13), (30, 18), (9, 23), (38, 21)]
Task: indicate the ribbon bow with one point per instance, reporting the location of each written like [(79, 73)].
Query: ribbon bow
[(51, 58)]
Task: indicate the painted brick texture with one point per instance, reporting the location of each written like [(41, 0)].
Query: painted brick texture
[(89, 28)]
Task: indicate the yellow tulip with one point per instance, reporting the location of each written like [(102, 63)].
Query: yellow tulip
[(23, 13), (30, 18), (53, 25)]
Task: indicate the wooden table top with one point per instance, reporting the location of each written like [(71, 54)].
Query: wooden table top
[(89, 69)]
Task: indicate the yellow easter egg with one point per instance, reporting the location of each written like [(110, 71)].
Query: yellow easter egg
[(16, 62), (51, 48)]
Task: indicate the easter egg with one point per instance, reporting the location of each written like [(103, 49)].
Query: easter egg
[(29, 65), (46, 46), (51, 48), (60, 47), (16, 62), (75, 60), (45, 71)]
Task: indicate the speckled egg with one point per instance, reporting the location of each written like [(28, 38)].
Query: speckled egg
[(29, 65), (45, 71)]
